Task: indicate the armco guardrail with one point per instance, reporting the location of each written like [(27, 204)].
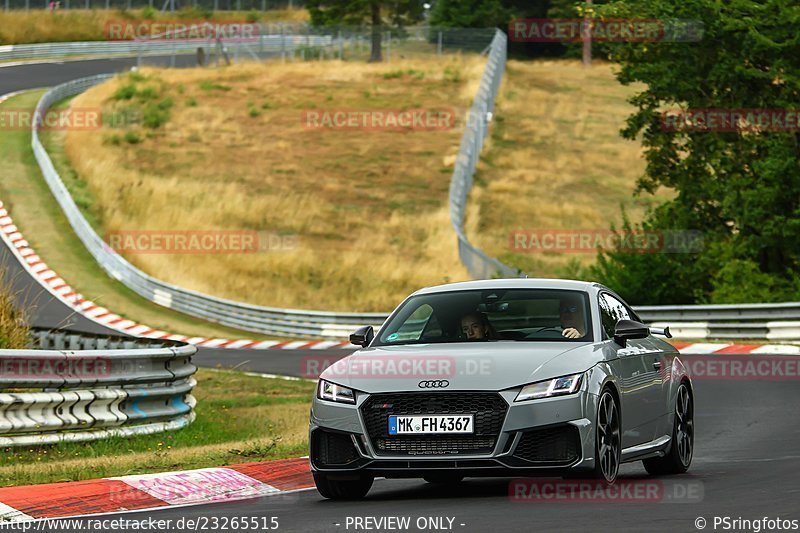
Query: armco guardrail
[(258, 45), (777, 321), (478, 264), (80, 387)]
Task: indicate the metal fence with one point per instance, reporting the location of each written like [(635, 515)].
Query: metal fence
[(259, 47), (289, 41), (478, 264), (80, 387), (165, 5)]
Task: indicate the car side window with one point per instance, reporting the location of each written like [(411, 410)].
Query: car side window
[(611, 311)]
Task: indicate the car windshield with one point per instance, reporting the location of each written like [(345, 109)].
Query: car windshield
[(490, 315)]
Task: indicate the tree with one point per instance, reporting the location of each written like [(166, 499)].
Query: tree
[(468, 14), (374, 13), (740, 188)]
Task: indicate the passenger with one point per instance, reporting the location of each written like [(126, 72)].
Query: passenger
[(476, 327)]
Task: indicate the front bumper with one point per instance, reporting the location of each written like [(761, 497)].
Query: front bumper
[(539, 437)]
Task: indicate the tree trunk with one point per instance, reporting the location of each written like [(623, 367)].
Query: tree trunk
[(376, 56)]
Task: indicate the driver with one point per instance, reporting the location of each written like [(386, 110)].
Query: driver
[(475, 326), (572, 322)]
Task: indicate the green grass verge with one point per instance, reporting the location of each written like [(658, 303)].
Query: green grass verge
[(240, 418), (39, 217)]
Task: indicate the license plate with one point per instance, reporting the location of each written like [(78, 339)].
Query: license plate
[(430, 424)]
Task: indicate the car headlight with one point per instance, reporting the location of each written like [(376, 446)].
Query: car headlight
[(335, 393), (551, 387)]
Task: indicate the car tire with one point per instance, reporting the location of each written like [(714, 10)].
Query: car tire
[(681, 450), (608, 439), (342, 489), (443, 478)]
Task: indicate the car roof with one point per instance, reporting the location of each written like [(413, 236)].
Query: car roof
[(513, 283)]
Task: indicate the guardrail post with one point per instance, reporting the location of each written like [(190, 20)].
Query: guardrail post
[(283, 42), (439, 44)]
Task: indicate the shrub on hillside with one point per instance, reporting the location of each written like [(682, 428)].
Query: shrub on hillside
[(13, 323)]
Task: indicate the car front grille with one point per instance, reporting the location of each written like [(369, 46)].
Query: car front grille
[(553, 445), (488, 408)]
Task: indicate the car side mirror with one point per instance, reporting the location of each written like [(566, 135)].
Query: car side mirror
[(629, 329), (362, 336)]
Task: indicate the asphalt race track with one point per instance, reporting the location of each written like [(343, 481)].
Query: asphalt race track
[(746, 464)]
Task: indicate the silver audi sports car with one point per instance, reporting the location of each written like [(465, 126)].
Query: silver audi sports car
[(512, 377)]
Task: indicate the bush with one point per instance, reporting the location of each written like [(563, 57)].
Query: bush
[(131, 137), (126, 92), (452, 75), (148, 93), (14, 330), (741, 281), (113, 139), (208, 85), (395, 74), (156, 114), (149, 13)]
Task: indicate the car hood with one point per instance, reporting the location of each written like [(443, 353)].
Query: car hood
[(466, 366)]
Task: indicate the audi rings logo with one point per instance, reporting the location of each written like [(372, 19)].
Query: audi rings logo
[(434, 384)]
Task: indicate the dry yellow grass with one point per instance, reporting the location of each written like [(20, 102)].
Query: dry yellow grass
[(42, 26), (555, 160), (13, 321), (369, 208)]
